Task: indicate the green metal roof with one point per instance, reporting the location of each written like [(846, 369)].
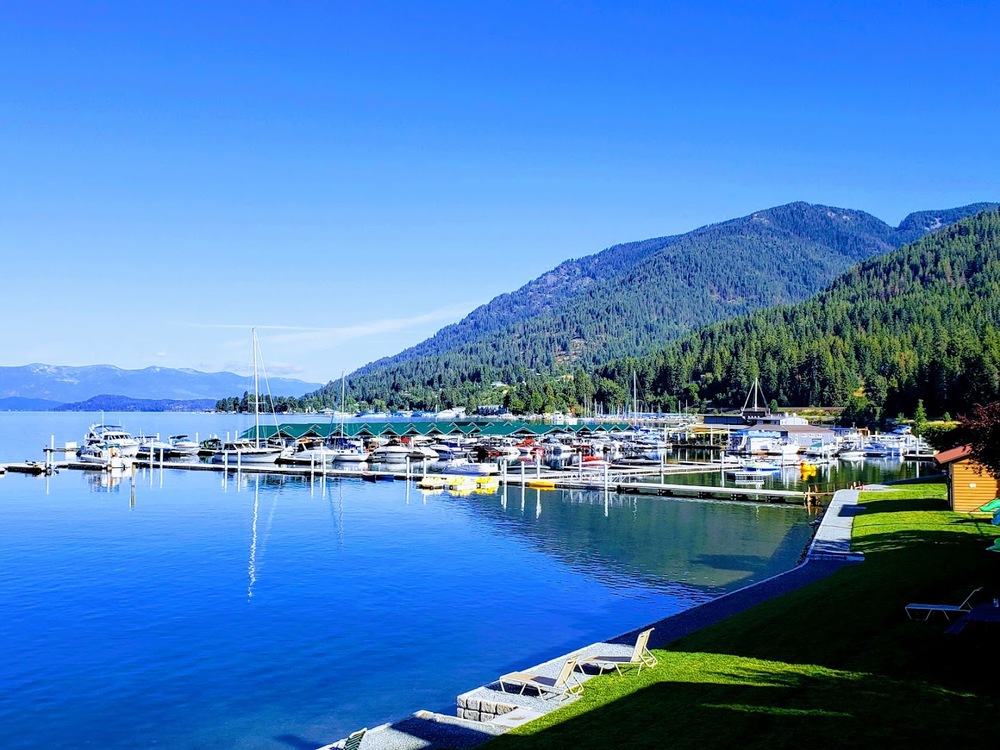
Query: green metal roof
[(297, 430)]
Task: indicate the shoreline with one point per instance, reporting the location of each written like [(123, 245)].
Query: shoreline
[(496, 711)]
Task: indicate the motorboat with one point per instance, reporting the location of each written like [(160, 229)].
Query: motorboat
[(182, 445), (465, 467), (104, 455), (306, 453), (754, 469), (821, 450), (247, 452), (173, 448), (396, 452), (782, 449), (152, 449), (851, 452), (345, 452), (875, 450), (106, 435)]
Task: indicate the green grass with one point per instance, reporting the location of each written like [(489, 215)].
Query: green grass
[(834, 664)]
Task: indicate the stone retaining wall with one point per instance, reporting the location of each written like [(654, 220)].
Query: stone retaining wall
[(480, 709)]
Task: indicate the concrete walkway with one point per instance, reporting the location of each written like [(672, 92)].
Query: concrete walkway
[(488, 711)]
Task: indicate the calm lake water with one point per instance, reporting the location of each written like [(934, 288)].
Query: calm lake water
[(191, 610)]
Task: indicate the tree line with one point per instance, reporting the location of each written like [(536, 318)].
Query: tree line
[(918, 324)]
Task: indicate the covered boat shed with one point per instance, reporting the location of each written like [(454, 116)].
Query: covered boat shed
[(291, 431)]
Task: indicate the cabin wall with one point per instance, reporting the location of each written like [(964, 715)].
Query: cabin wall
[(968, 489)]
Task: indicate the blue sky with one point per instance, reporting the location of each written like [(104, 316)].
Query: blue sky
[(351, 176)]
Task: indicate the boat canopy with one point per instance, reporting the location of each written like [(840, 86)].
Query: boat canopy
[(299, 430)]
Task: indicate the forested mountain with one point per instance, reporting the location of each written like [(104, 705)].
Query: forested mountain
[(920, 323), (631, 298)]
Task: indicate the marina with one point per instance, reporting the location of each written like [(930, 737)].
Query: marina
[(184, 575), (760, 461)]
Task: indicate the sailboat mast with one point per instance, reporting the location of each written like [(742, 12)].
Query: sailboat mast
[(635, 399), (256, 394), (343, 388)]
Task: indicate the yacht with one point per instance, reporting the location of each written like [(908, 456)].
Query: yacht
[(396, 452), (107, 434), (106, 455)]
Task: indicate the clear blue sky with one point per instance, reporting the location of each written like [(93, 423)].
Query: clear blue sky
[(352, 176)]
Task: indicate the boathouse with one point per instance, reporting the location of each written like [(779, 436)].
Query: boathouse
[(290, 432), (775, 430), (970, 485)]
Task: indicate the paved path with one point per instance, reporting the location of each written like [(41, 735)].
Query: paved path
[(829, 551)]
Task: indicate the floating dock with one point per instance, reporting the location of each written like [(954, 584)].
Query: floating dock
[(621, 480)]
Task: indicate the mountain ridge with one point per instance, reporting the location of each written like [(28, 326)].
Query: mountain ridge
[(69, 383), (919, 324), (631, 297)]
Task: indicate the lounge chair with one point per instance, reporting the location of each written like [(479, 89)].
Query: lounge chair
[(353, 741), (641, 657), (565, 685), (945, 609)]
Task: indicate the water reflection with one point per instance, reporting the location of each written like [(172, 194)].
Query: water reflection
[(662, 542), (252, 568), (107, 480)]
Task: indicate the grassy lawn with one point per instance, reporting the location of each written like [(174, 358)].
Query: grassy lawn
[(834, 664)]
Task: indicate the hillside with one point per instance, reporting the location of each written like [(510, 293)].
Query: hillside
[(124, 403), (632, 298), (919, 323), (74, 384)]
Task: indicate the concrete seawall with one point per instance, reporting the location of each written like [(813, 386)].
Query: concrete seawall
[(489, 710)]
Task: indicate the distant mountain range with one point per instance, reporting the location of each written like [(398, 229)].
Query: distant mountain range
[(631, 299), (42, 387)]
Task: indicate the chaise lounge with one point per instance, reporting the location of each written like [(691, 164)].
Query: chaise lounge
[(641, 657), (945, 609), (564, 686)]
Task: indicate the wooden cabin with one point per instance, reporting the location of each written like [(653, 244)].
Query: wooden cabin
[(970, 485)]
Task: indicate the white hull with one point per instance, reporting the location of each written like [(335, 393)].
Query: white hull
[(249, 455)]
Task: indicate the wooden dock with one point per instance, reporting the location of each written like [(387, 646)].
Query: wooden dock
[(624, 480), (28, 467)]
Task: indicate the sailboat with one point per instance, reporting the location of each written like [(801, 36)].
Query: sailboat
[(343, 450), (244, 451), (759, 408)]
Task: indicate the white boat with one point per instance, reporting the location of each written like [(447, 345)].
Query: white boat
[(307, 453), (106, 435), (236, 452), (105, 455), (171, 449), (851, 453), (754, 469), (554, 449), (153, 449), (398, 453), (820, 449), (182, 445), (782, 449), (343, 450), (244, 451), (348, 453), (465, 467)]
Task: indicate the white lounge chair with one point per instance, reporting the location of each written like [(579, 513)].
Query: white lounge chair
[(353, 741), (641, 657), (565, 685), (945, 609)]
